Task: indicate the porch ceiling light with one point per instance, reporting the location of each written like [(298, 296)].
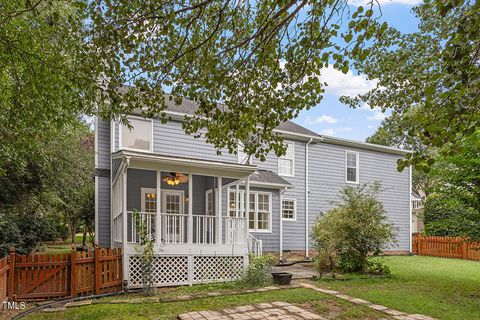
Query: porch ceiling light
[(175, 178)]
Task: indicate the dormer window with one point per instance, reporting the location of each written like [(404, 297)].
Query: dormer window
[(139, 137)]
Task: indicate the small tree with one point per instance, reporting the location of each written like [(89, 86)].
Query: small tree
[(146, 248), (353, 230)]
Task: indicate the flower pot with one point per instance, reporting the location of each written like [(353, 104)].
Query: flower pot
[(282, 278)]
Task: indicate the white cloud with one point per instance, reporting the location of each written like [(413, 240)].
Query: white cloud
[(348, 84), (377, 116), (370, 127), (328, 132), (383, 2), (321, 119), (333, 131)]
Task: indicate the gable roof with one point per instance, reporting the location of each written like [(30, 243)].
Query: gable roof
[(288, 128)]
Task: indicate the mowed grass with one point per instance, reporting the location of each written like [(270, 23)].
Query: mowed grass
[(437, 287), (322, 304)]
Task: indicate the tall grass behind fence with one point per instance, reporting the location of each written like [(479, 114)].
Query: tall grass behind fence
[(446, 247)]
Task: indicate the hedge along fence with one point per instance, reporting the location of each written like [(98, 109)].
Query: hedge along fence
[(53, 276), (446, 247)]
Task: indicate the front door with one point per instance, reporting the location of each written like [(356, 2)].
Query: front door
[(173, 219)]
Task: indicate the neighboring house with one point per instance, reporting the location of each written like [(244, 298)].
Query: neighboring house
[(417, 212), (193, 201)]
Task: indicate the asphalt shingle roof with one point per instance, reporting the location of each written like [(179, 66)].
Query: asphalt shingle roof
[(266, 176)]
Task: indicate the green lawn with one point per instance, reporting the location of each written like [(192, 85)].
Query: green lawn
[(322, 304), (437, 287)]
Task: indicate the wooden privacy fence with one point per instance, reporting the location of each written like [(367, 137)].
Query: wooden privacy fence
[(52, 276), (446, 247), (3, 278)]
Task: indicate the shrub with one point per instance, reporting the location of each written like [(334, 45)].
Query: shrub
[(326, 262), (354, 229), (447, 215), (375, 267), (259, 270)]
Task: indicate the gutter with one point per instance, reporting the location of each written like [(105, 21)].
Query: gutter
[(281, 224), (306, 198)]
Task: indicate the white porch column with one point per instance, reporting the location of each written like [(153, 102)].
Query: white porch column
[(247, 204), (190, 209), (158, 221), (219, 211), (124, 225)]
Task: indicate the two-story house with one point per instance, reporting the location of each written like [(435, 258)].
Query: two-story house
[(205, 211)]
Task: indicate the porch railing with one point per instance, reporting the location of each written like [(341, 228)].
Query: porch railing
[(174, 228), (255, 245), (204, 229), (235, 230), (133, 229)]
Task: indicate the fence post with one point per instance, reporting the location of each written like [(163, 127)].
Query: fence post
[(11, 274), (419, 239), (98, 275), (73, 272), (464, 249)]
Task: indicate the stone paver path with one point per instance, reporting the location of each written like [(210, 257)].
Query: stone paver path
[(391, 312), (268, 311), (299, 271)]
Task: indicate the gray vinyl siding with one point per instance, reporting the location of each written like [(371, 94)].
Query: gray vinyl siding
[(103, 183), (327, 177)]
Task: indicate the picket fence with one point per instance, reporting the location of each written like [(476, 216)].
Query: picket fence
[(446, 247), (54, 276)]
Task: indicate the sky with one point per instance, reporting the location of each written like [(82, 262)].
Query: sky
[(333, 118)]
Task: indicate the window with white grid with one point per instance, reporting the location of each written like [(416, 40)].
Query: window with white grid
[(351, 166), (286, 162), (289, 207), (259, 211)]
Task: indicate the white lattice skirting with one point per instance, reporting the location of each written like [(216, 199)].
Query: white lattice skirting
[(181, 270)]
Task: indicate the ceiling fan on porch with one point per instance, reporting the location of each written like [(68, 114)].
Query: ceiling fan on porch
[(175, 178)]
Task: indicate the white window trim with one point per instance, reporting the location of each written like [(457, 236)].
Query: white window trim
[(144, 191), (294, 209), (242, 206), (120, 146), (293, 161), (180, 193), (209, 191), (357, 171)]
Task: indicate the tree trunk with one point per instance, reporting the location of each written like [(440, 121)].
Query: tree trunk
[(72, 233), (84, 239)]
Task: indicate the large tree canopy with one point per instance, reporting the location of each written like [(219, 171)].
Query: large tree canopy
[(435, 70), (262, 59)]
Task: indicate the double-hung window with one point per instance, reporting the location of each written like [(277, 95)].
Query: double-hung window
[(286, 163), (351, 167), (259, 209), (289, 209), (139, 137)]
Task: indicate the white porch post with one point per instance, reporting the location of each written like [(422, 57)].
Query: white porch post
[(125, 222), (247, 204), (219, 211), (158, 221), (190, 209)]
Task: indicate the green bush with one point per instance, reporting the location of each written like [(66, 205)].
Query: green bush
[(326, 262), (259, 270), (446, 215), (375, 267), (353, 230)]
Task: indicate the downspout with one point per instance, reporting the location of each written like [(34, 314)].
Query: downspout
[(306, 198), (281, 224)]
